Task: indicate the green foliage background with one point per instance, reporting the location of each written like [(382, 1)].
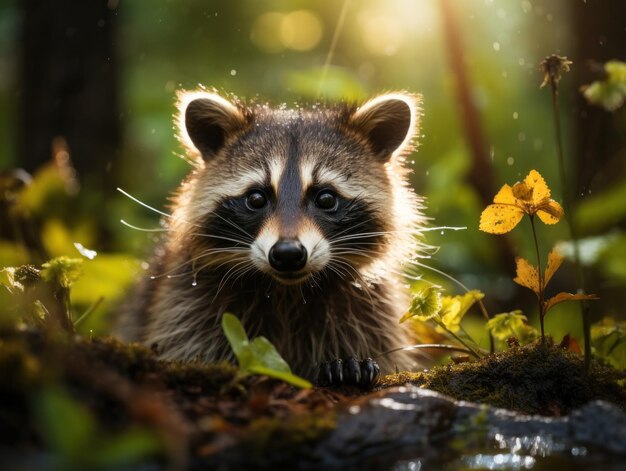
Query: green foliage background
[(169, 45)]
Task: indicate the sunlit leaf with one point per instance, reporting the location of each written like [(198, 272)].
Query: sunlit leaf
[(287, 377), (505, 196), (235, 333), (555, 259), (532, 196), (267, 355), (449, 314), (508, 324), (500, 218), (425, 304), (538, 188), (258, 356), (549, 211), (454, 308), (608, 339), (7, 279), (527, 275), (564, 297), (62, 271), (609, 93)]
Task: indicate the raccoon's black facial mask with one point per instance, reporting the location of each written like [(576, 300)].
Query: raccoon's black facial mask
[(322, 197)]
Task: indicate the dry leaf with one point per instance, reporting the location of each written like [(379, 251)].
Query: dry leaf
[(564, 297), (555, 260), (527, 275)]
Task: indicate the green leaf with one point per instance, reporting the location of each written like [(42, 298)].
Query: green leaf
[(62, 271), (508, 324), (258, 356), (608, 340), (7, 279), (235, 334), (454, 308), (425, 305), (66, 426), (267, 355), (123, 450), (609, 93), (287, 377)]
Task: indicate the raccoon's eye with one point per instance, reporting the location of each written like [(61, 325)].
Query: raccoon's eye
[(326, 200), (256, 200)]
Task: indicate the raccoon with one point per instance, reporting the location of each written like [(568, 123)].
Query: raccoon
[(298, 221)]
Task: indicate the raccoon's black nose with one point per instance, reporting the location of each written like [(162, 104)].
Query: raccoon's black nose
[(288, 255)]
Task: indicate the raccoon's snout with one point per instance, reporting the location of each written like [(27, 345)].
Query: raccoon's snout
[(287, 256)]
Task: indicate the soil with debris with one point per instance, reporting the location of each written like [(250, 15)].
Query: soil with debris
[(204, 412)]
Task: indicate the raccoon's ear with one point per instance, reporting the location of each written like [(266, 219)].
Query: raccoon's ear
[(388, 122), (208, 120)]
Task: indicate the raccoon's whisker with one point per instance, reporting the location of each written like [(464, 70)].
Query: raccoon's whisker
[(236, 226), (229, 239), (364, 284), (194, 259), (227, 275), (167, 215), (128, 195), (144, 229), (350, 227)]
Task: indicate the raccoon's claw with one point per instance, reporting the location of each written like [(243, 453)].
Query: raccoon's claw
[(348, 372)]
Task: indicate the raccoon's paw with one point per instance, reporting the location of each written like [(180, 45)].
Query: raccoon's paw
[(348, 372)]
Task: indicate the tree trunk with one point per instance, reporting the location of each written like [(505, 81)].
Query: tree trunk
[(69, 84)]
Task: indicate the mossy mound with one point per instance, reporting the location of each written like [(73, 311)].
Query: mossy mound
[(532, 379), (197, 411)]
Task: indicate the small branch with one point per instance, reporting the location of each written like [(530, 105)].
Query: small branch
[(584, 306)]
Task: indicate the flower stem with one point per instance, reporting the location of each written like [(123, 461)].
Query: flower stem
[(458, 339), (584, 306), (481, 305), (540, 277)]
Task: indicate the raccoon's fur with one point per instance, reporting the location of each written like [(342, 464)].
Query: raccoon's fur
[(299, 222)]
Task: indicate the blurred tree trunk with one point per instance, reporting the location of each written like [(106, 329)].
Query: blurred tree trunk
[(481, 175), (599, 136), (69, 84)]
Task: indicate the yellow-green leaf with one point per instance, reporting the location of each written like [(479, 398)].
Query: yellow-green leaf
[(62, 271), (507, 324), (454, 308), (425, 304)]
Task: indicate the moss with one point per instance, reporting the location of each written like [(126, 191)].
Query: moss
[(533, 379), (136, 362)]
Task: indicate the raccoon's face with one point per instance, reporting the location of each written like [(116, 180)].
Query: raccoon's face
[(294, 194)]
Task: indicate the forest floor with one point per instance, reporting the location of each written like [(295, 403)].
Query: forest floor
[(199, 412)]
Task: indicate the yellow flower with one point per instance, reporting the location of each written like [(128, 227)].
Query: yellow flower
[(532, 196)]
